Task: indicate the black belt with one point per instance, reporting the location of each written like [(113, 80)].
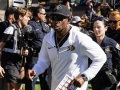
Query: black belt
[(11, 50)]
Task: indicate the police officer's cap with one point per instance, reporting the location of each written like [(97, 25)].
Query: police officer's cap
[(10, 10), (61, 10)]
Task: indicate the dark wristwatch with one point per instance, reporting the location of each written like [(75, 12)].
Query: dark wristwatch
[(84, 77)]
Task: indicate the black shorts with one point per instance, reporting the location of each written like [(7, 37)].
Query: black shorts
[(12, 64), (12, 76)]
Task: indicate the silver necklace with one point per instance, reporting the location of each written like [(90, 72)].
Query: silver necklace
[(58, 43)]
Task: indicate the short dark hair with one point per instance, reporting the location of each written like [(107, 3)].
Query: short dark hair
[(8, 11), (36, 10), (101, 19)]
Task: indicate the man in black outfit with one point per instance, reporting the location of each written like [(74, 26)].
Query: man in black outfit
[(9, 19)]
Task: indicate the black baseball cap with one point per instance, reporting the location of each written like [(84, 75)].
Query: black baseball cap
[(10, 10), (61, 10)]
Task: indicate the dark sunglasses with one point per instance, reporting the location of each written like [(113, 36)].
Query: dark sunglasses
[(58, 18), (113, 21), (43, 13)]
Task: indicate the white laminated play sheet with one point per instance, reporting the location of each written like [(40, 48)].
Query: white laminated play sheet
[(64, 84)]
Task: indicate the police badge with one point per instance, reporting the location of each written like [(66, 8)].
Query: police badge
[(71, 48), (118, 46), (107, 49)]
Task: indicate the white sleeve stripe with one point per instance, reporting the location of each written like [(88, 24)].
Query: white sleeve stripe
[(9, 30)]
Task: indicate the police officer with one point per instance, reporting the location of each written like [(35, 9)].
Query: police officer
[(39, 30), (11, 56), (113, 32), (105, 79)]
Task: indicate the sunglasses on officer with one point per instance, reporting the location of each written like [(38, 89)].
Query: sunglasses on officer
[(113, 21), (43, 13), (58, 17)]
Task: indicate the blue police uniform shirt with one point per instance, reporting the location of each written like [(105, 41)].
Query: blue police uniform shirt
[(102, 80), (39, 30), (109, 47), (114, 34)]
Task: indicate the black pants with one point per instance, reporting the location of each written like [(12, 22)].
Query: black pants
[(43, 83), (101, 84), (30, 85), (3, 84)]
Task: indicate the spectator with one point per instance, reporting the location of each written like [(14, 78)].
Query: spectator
[(105, 10), (90, 12), (77, 21)]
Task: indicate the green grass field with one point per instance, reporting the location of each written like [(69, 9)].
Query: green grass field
[(37, 87)]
